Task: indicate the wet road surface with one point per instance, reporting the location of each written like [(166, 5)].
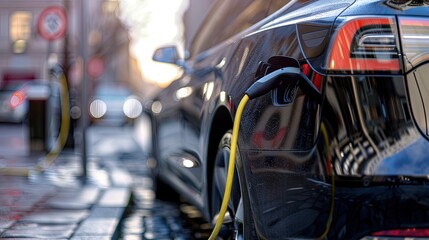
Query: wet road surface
[(152, 218)]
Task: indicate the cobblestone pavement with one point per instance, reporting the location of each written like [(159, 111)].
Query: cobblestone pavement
[(57, 205), (147, 216), (152, 218)]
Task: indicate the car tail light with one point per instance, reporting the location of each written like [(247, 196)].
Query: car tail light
[(414, 39), (17, 99), (407, 233), (365, 44)]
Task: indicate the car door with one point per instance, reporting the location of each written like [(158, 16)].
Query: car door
[(209, 53)]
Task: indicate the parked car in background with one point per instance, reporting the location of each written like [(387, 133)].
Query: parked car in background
[(114, 104), (15, 96), (337, 149)]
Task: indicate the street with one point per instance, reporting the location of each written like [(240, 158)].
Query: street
[(13, 140)]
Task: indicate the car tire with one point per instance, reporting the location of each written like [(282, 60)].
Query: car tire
[(233, 228), (164, 191)]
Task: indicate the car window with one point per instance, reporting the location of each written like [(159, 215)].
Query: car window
[(276, 5), (226, 19), (252, 14)]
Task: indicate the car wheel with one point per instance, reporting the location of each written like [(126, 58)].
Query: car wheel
[(238, 221)]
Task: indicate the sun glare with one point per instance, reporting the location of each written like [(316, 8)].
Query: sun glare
[(152, 24)]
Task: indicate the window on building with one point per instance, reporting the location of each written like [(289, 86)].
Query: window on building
[(20, 25)]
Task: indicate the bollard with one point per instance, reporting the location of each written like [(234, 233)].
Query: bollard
[(38, 97)]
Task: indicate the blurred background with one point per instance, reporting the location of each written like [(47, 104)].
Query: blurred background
[(76, 77), (103, 48), (120, 36)]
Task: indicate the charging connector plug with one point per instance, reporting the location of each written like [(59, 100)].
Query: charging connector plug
[(271, 81)]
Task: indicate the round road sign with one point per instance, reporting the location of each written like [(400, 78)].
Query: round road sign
[(52, 23)]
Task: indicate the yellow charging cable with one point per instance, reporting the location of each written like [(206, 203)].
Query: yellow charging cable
[(329, 164), (60, 142), (64, 129), (231, 167), (258, 88)]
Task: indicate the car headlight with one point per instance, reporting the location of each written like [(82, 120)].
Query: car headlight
[(98, 108), (132, 108)]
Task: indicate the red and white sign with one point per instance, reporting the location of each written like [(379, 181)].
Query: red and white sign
[(52, 23)]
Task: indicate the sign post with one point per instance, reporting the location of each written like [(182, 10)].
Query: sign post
[(84, 87), (52, 23)]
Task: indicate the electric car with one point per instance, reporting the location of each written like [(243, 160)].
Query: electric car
[(336, 146)]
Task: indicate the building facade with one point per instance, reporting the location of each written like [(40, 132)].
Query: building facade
[(24, 54)]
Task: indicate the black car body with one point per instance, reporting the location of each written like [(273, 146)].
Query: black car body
[(350, 163)]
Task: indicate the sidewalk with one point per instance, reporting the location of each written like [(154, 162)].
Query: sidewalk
[(57, 205)]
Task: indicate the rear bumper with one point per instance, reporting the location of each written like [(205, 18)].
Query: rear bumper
[(294, 204)]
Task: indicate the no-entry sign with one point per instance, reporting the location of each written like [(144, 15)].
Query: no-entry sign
[(52, 23)]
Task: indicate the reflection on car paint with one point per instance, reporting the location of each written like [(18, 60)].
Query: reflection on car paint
[(348, 165)]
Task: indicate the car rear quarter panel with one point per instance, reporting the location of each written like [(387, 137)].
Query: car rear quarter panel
[(289, 190), (371, 123), (378, 152)]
